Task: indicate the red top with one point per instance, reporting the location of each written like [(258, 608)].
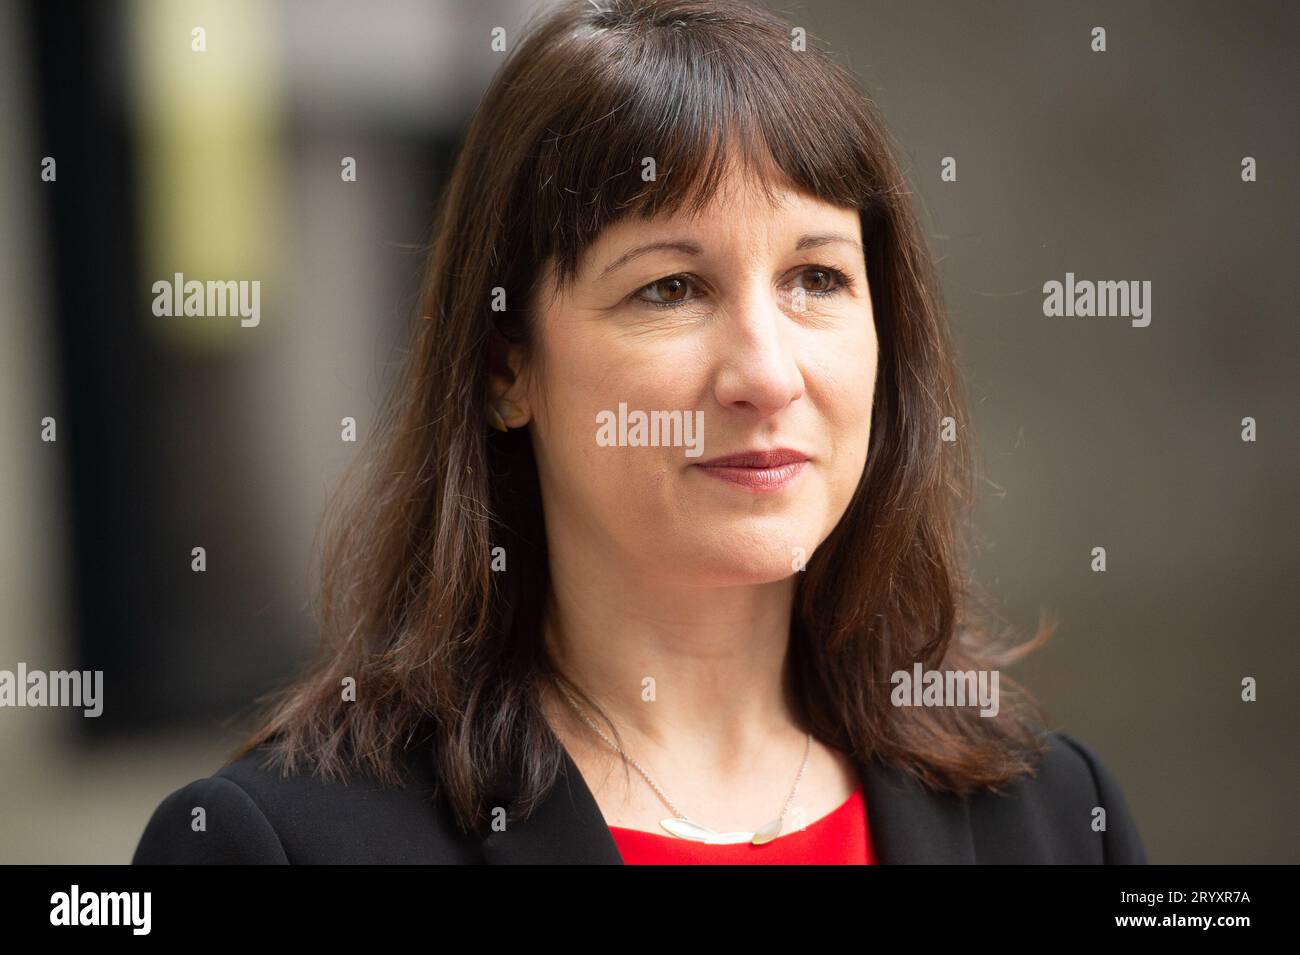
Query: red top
[(838, 838)]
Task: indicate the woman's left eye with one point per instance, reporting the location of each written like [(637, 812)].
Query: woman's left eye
[(827, 280), (830, 281)]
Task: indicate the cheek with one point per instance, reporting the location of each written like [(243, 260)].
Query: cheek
[(847, 374), (589, 374)]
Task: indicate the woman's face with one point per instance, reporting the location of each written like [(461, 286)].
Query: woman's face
[(749, 329)]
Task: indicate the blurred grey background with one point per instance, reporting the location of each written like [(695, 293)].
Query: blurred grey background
[(1122, 165)]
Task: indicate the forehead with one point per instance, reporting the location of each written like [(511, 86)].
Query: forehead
[(741, 211)]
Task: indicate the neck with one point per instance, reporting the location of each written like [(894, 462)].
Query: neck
[(694, 678)]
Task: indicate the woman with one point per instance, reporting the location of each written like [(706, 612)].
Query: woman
[(672, 484)]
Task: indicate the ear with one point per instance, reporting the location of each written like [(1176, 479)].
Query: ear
[(507, 382)]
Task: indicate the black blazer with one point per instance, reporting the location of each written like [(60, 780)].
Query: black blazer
[(254, 815)]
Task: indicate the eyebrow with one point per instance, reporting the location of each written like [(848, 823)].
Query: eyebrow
[(815, 239), (811, 240), (685, 246)]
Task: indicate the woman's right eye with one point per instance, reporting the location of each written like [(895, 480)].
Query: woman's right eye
[(671, 289)]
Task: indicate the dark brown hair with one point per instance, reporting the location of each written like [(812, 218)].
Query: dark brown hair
[(447, 654)]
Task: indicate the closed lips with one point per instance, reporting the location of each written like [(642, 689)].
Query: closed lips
[(760, 472), (757, 459)]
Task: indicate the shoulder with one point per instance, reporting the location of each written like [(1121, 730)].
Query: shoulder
[(250, 812), (1071, 810)]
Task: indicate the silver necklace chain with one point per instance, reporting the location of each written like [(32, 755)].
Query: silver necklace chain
[(655, 786)]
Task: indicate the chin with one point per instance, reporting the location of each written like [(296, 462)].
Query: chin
[(746, 556)]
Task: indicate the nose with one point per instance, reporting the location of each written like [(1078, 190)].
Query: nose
[(757, 371)]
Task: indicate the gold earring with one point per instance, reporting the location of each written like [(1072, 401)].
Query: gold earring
[(498, 409)]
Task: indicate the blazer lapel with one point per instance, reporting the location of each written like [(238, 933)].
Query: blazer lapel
[(566, 829), (911, 824), (908, 824)]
